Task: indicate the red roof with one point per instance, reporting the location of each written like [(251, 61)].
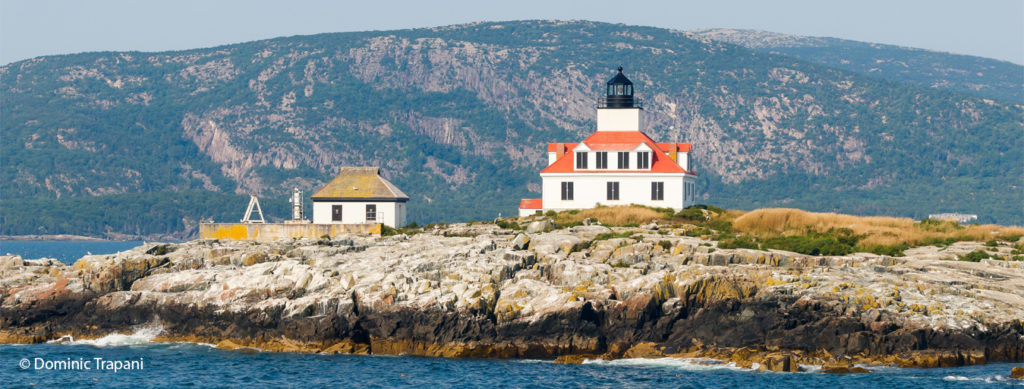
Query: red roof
[(553, 147), (531, 204), (621, 141)]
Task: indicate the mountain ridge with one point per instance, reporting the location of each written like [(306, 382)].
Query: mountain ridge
[(442, 110)]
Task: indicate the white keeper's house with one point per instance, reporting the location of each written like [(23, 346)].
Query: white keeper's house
[(359, 195), (616, 165)]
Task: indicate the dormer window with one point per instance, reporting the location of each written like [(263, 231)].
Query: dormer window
[(623, 160), (581, 159), (643, 160), (602, 160)]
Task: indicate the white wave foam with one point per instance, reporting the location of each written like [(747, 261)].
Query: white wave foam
[(689, 364), (955, 378), (142, 335), (810, 368)]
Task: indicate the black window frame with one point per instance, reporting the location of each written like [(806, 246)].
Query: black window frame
[(567, 189), (643, 160), (601, 160), (336, 213), (657, 191), (623, 162), (371, 216), (613, 190), (581, 159)]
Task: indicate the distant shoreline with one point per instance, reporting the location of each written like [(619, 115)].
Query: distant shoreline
[(59, 237)]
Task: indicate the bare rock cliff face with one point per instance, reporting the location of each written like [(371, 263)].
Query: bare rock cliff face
[(481, 291)]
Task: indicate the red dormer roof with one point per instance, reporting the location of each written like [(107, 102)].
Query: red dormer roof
[(531, 204), (619, 141)]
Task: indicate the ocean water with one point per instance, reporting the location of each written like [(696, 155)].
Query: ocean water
[(132, 360), (64, 251)]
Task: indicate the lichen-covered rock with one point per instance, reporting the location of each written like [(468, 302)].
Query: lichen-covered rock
[(475, 291)]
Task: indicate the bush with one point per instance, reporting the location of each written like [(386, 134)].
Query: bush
[(742, 242), (809, 244), (612, 235), (974, 256), (892, 250), (665, 245), (691, 213), (551, 213), (1011, 238), (509, 225)]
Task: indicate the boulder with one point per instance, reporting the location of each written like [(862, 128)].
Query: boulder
[(541, 226), (521, 242), (1017, 372), (11, 262)]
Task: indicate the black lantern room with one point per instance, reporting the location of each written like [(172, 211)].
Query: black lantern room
[(620, 92)]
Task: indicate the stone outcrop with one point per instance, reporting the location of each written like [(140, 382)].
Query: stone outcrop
[(482, 291)]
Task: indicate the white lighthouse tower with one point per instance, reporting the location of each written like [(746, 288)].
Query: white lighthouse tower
[(616, 165)]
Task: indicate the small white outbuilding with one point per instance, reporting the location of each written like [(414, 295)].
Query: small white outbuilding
[(359, 195)]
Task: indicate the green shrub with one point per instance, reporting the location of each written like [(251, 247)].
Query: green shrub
[(612, 235), (551, 213), (1011, 238), (810, 245), (665, 245), (974, 256), (892, 250), (742, 242), (691, 213), (508, 225), (992, 243), (720, 225)]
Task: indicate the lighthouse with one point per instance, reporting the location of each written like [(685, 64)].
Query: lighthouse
[(618, 164)]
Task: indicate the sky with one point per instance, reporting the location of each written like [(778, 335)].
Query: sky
[(31, 28)]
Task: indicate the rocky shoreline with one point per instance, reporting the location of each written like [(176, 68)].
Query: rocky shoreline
[(479, 290)]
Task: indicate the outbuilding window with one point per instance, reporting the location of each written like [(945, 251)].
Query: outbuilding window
[(623, 160), (566, 190), (371, 212), (336, 213)]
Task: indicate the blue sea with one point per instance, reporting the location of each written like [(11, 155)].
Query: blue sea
[(64, 251), (133, 361)]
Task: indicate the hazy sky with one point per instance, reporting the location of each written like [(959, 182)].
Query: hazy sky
[(30, 28)]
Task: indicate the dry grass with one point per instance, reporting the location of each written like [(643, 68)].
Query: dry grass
[(612, 216), (877, 230)]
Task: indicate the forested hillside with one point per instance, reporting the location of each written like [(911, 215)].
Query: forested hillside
[(458, 117), (985, 77)]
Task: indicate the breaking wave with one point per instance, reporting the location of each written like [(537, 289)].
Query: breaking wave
[(689, 364), (142, 335)]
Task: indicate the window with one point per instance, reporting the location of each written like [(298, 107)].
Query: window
[(566, 191), (581, 160), (643, 160), (623, 160), (602, 159), (657, 191), (336, 213), (613, 190), (371, 212)]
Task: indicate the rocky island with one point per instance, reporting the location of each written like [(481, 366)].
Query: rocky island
[(535, 290)]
